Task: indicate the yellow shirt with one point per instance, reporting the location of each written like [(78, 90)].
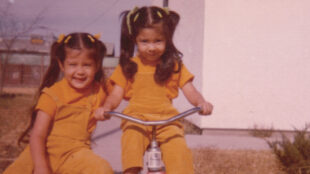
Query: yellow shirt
[(65, 94), (176, 81)]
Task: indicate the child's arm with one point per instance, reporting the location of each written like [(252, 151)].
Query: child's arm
[(196, 99), (111, 102), (38, 143)]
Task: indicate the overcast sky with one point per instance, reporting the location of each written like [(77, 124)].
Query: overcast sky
[(65, 16)]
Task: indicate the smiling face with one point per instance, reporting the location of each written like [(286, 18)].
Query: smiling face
[(151, 44), (79, 69)]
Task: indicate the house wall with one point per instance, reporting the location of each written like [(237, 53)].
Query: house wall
[(254, 63), (257, 65)]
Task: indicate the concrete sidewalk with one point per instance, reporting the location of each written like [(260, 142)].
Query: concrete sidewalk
[(107, 137), (106, 142)]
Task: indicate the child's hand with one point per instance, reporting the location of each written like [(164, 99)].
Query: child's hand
[(100, 114), (206, 108)]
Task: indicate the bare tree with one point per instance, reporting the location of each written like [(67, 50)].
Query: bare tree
[(11, 29)]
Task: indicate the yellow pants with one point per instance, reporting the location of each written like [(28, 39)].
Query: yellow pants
[(83, 161), (177, 156)]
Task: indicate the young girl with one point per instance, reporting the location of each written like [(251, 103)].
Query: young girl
[(150, 81), (62, 120)]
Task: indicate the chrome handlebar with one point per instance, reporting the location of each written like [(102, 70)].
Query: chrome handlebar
[(154, 123)]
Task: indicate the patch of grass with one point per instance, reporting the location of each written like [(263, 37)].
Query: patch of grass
[(261, 131), (215, 161), (295, 154)]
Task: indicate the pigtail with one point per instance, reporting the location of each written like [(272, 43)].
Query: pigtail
[(172, 56), (100, 77), (50, 77), (129, 67), (25, 134), (53, 71), (101, 51), (173, 20)]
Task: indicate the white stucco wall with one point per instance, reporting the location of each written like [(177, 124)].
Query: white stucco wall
[(257, 63)]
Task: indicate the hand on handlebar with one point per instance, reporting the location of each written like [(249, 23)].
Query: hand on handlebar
[(206, 108), (100, 114)]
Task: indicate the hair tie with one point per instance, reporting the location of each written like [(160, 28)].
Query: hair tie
[(166, 9), (60, 38), (136, 17), (159, 14), (91, 38), (67, 39), (128, 18), (97, 36)]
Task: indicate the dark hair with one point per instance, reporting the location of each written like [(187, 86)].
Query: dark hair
[(79, 41), (146, 17)]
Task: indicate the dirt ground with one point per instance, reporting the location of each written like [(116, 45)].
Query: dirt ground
[(14, 118)]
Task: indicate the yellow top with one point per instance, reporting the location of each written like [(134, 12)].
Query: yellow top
[(176, 81), (62, 92)]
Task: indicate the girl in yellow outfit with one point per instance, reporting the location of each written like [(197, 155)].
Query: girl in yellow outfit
[(63, 120), (150, 81)]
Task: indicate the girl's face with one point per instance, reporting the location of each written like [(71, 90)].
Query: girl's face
[(79, 69), (151, 44)]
